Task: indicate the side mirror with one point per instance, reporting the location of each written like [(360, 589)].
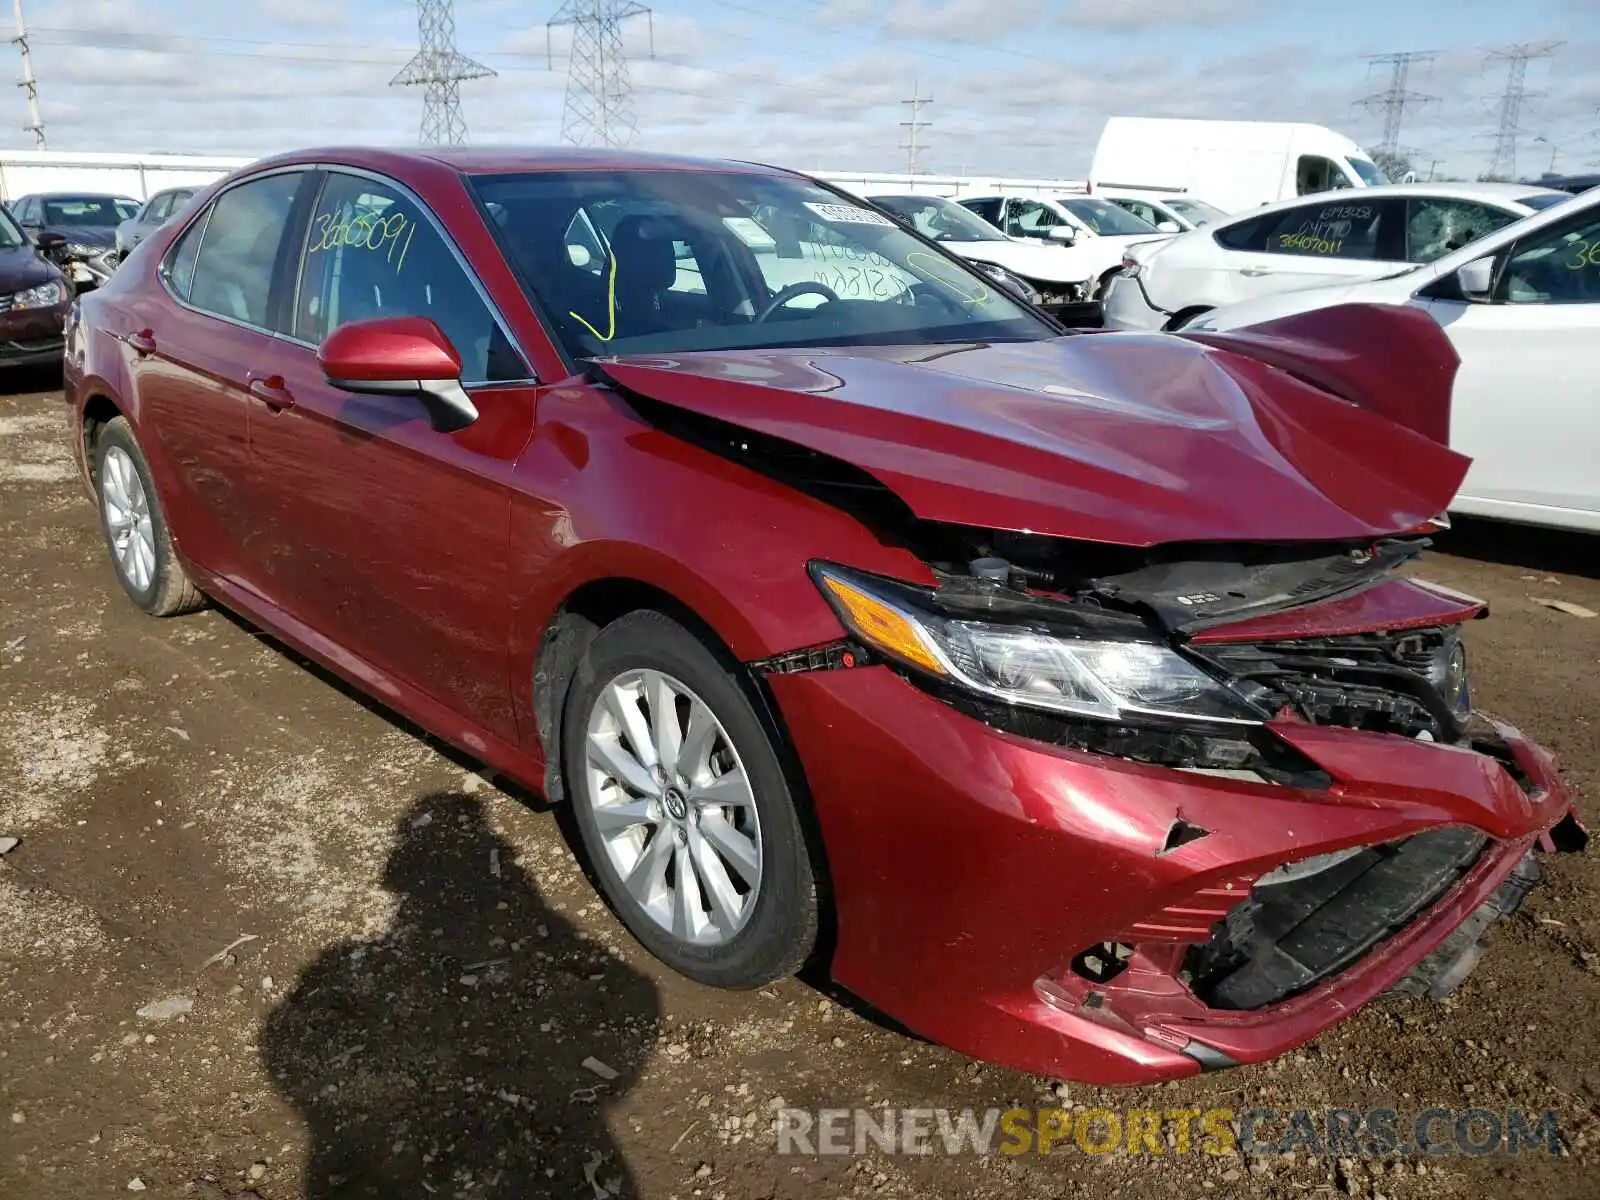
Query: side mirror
[(400, 356), (1169, 227), (1065, 234), (1477, 278)]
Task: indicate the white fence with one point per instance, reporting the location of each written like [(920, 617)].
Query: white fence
[(23, 172), (954, 186)]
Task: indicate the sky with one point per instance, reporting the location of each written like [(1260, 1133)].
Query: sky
[(1018, 87)]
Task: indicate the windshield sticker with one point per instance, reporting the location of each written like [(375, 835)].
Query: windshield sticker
[(849, 214)]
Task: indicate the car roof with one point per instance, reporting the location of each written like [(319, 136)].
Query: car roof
[(505, 160), (75, 196), (1503, 193)]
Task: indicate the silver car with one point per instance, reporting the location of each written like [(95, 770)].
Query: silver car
[(155, 213)]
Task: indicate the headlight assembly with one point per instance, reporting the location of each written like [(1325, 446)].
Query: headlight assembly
[(1015, 284), (84, 250), (44, 295), (1020, 664)]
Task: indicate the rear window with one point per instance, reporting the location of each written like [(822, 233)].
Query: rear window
[(1540, 201)]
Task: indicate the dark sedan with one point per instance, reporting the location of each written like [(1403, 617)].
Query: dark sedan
[(34, 298), (1062, 694), (86, 223)]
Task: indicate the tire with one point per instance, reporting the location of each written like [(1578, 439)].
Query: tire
[(131, 515), (675, 827)]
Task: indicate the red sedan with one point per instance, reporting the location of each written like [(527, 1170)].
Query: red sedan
[(1058, 688)]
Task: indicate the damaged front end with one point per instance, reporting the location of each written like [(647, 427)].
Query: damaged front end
[(1186, 770)]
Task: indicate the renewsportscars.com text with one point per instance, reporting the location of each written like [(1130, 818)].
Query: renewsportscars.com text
[(1331, 1132)]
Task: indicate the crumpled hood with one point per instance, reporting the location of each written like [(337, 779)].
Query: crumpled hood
[(86, 235), (1125, 438)]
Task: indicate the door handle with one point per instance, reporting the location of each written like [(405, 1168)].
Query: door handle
[(1256, 272), (141, 343), (271, 391)]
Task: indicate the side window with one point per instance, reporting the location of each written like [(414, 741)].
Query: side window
[(1250, 235), (370, 253), (178, 267), (1435, 226), (233, 273), (989, 210), (158, 207), (1333, 230), (1143, 211), (1315, 174), (1559, 266), (1030, 218), (25, 210)]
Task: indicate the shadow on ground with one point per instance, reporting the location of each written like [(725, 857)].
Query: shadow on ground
[(27, 381), (445, 1056), (1534, 547)]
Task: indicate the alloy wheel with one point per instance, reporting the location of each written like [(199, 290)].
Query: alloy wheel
[(127, 516), (673, 807)]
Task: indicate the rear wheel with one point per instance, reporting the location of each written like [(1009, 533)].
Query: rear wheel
[(684, 808), (135, 528)]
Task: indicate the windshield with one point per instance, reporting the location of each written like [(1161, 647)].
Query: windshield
[(1539, 201), (1104, 217), (940, 220), (88, 210), (10, 236), (629, 262), (1367, 171), (1197, 212)]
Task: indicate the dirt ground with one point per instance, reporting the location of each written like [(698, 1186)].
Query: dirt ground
[(394, 971)]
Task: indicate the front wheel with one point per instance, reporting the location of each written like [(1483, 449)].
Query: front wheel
[(684, 808), (136, 529)]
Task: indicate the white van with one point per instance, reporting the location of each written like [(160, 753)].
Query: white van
[(1236, 165)]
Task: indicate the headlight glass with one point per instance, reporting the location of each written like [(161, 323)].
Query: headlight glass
[(44, 295), (1014, 284), (1016, 664), (84, 250)]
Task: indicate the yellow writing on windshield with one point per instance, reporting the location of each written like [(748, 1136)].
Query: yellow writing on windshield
[(390, 236), (970, 290), (1584, 254), (611, 305)]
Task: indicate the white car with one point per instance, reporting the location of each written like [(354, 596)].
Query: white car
[(1170, 212), (1101, 229), (1346, 235), (1060, 277), (1522, 308)]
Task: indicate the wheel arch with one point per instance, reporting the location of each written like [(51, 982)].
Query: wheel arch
[(577, 619), (1184, 315)]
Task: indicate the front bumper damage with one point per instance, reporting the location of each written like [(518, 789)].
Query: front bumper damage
[(1075, 913)]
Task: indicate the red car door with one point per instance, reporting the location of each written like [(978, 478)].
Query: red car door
[(190, 348), (383, 534)]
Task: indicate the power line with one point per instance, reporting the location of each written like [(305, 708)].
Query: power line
[(598, 110), (440, 68), (28, 84), (1396, 98), (913, 145), (1503, 163)]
